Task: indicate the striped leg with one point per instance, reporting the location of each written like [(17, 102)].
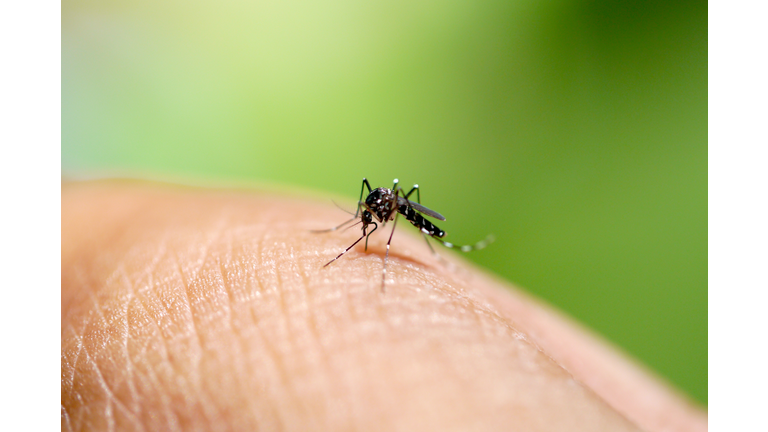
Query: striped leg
[(386, 256), (356, 242), (467, 248)]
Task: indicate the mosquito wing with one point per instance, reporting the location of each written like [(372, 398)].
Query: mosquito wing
[(420, 208)]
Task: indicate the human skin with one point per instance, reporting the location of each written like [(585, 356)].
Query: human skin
[(196, 309)]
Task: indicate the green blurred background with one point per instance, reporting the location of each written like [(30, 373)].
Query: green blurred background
[(575, 131)]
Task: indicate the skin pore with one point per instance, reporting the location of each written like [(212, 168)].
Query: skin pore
[(194, 309)]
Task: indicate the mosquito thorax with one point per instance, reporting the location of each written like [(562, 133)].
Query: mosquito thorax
[(380, 203)]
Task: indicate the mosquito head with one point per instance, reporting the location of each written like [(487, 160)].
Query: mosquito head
[(367, 218)]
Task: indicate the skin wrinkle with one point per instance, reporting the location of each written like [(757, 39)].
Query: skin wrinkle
[(214, 355), (220, 350), (355, 336), (127, 334), (166, 343), (267, 344), (188, 283), (79, 339), (312, 324), (306, 326), (477, 310), (224, 283), (508, 322), (175, 363), (483, 310), (169, 413), (82, 411), (74, 363), (285, 320), (272, 357), (65, 417), (297, 329), (366, 358), (162, 250), (308, 358), (279, 362), (72, 390), (472, 305), (330, 339), (190, 312), (110, 397), (361, 358), (231, 308), (152, 375)]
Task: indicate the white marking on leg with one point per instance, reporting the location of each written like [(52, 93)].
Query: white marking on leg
[(384, 272)]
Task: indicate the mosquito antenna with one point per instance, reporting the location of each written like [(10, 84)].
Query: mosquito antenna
[(343, 209), (334, 228), (354, 224)]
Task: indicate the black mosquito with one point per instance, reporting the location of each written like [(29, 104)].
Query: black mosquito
[(383, 205)]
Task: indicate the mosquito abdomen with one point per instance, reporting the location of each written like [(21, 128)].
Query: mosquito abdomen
[(419, 222)]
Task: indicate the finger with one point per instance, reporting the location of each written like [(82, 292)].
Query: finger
[(185, 308)]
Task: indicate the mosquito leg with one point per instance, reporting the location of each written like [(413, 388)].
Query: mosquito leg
[(362, 188), (467, 248), (386, 255), (365, 182), (415, 188), (350, 247), (426, 239)]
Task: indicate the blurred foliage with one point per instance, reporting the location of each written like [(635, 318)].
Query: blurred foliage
[(575, 131)]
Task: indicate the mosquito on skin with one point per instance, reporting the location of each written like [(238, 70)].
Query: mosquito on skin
[(383, 205)]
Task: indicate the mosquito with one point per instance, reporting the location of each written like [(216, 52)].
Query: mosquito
[(382, 205)]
